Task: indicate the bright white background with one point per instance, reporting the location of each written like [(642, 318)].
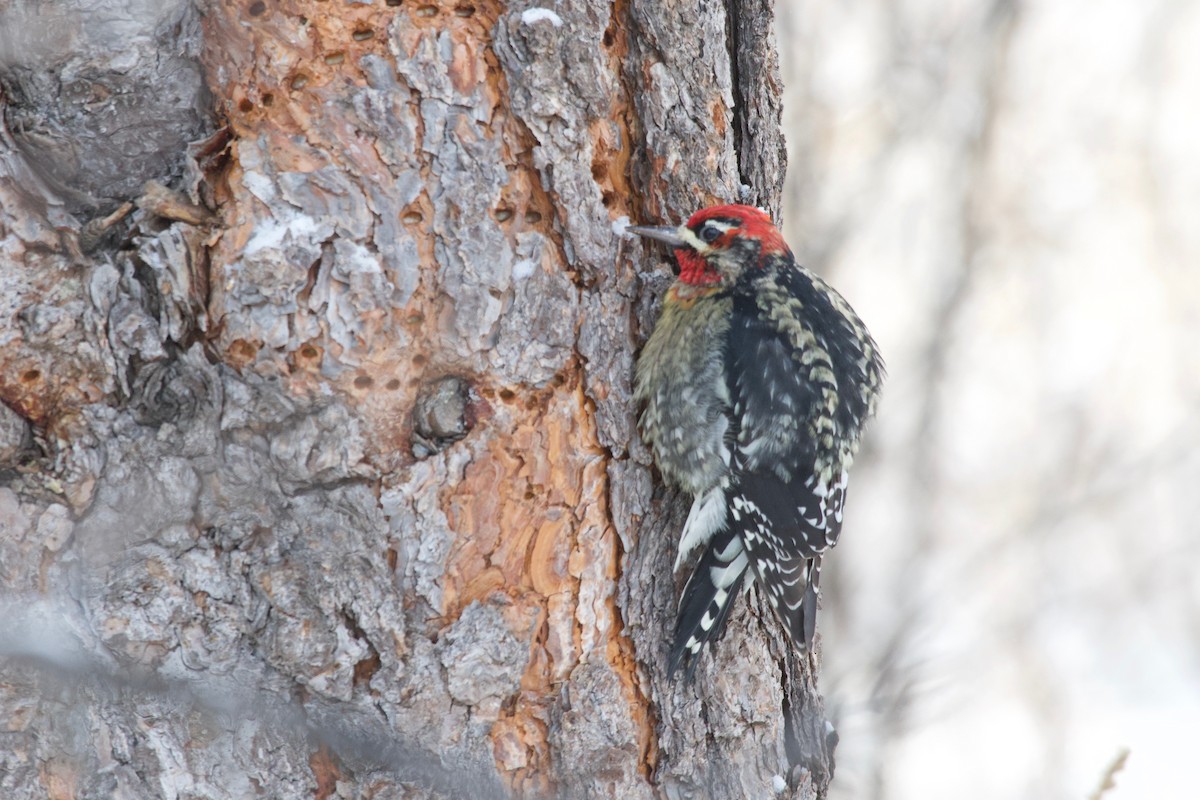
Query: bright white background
[(1009, 194)]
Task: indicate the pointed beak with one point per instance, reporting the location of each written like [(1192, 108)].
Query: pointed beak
[(667, 234)]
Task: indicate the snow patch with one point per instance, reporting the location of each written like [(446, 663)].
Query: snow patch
[(523, 269), (354, 258), (259, 185), (270, 233), (531, 16)]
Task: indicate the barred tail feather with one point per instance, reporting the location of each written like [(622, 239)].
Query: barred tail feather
[(774, 527), (707, 600)]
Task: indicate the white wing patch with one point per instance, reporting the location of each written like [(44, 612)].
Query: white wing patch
[(705, 519)]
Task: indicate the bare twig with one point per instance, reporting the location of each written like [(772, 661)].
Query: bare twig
[(1107, 780)]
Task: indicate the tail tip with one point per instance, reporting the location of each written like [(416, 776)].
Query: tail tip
[(687, 655)]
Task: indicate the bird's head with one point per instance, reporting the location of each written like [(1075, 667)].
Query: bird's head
[(718, 243)]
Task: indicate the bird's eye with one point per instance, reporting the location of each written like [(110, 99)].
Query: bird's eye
[(710, 233)]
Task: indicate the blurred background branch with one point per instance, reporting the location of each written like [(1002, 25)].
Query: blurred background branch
[(1007, 193)]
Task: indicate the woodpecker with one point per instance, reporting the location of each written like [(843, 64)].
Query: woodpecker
[(755, 385)]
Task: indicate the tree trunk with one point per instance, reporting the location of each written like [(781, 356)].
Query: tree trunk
[(320, 475)]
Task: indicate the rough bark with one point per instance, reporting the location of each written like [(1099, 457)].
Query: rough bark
[(321, 475)]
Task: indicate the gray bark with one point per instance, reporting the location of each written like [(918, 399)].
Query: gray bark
[(320, 475)]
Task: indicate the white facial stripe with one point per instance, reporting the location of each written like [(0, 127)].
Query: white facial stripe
[(692, 240), (696, 243)]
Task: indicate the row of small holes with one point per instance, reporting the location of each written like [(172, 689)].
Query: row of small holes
[(504, 214), (246, 106), (311, 353), (432, 11), (359, 35), (366, 382)]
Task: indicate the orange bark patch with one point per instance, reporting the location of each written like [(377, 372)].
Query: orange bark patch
[(326, 772), (466, 70), (534, 516), (718, 117), (59, 780)]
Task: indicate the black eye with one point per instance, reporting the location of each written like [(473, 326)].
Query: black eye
[(710, 233)]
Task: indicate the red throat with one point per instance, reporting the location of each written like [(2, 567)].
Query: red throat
[(693, 269)]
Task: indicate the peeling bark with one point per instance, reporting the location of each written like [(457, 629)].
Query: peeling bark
[(336, 488)]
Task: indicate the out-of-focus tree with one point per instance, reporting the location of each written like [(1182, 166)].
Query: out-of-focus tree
[(1007, 192)]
